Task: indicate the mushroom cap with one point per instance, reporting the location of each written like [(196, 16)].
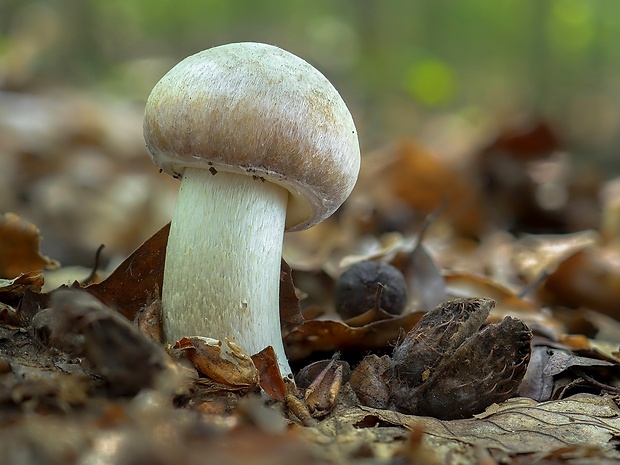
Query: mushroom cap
[(258, 110)]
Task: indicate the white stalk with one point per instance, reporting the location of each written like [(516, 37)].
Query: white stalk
[(222, 273)]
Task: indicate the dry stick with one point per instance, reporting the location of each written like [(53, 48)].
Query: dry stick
[(596, 383), (93, 274)]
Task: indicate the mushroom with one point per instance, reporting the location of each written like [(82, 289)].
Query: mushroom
[(262, 143)]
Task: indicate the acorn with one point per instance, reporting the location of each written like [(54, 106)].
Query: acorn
[(356, 289)]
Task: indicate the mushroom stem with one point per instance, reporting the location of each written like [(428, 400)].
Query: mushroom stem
[(221, 277)]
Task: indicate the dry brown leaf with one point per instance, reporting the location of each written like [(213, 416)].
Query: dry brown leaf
[(465, 284), (424, 181), (575, 341), (560, 361), (610, 221), (426, 278), (536, 384), (517, 426), (526, 182), (227, 365), (19, 247), (290, 312), (331, 336), (369, 316), (10, 289), (369, 381), (508, 303), (533, 255), (589, 278), (132, 285), (305, 376), (271, 381), (526, 142), (609, 349)]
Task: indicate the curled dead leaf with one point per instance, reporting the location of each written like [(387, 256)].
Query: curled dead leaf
[(12, 289), (533, 255), (589, 278), (508, 302), (560, 361), (227, 365), (537, 385), (269, 374), (331, 336), (19, 247), (134, 282), (290, 312)]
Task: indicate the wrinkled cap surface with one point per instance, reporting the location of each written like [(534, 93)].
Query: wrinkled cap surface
[(256, 109)]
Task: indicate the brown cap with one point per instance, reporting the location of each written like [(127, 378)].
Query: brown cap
[(256, 109)]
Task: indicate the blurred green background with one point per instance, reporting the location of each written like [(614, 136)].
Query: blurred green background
[(405, 67)]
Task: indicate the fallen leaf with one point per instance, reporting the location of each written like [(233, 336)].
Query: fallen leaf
[(525, 179), (536, 384), (575, 341), (589, 278), (533, 255), (560, 361), (133, 283), (428, 282), (19, 248), (526, 142), (424, 181), (12, 289), (227, 365), (271, 381), (517, 426), (508, 303), (330, 336), (369, 381), (290, 312)]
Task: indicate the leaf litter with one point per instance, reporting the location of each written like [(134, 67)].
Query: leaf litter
[(87, 358)]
